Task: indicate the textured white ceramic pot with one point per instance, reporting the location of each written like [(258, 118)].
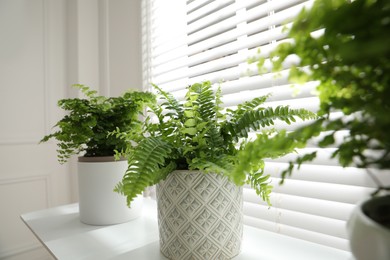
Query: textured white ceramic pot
[(99, 204), (368, 239), (199, 216)]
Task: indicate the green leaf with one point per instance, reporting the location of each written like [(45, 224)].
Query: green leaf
[(190, 130), (85, 128), (189, 113), (146, 167), (190, 122), (196, 134)]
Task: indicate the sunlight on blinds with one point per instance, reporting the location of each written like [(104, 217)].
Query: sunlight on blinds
[(195, 40)]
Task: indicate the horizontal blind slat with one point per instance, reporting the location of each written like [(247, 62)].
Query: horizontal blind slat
[(206, 9), (279, 93), (282, 93), (314, 237), (324, 156), (313, 223), (171, 55), (323, 208), (169, 47), (233, 34), (175, 75), (195, 5), (221, 14), (277, 19), (176, 57), (227, 27), (324, 191), (326, 174)]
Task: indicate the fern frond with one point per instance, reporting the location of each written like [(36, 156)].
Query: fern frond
[(194, 120), (299, 138), (205, 100), (254, 120), (267, 145), (248, 106), (218, 108), (171, 103), (165, 171), (144, 167), (261, 185), (214, 139), (86, 91), (297, 164), (220, 165), (164, 127)]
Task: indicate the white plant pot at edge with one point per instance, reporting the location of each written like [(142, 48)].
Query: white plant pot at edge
[(99, 204), (368, 239)]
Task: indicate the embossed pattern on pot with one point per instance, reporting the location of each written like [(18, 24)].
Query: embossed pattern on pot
[(199, 216)]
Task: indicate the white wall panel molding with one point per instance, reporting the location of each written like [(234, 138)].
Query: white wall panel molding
[(21, 69), (45, 177), (18, 250), (83, 44), (46, 46), (20, 194), (104, 48), (55, 57), (31, 251), (104, 45), (48, 58), (33, 77), (14, 140), (46, 65), (123, 45)]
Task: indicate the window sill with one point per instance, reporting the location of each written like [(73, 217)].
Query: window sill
[(65, 237)]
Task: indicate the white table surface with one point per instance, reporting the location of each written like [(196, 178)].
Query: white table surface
[(61, 232)]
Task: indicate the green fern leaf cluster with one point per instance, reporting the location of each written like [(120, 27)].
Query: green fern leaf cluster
[(350, 64), (248, 106), (195, 134), (206, 101), (260, 183), (85, 129), (170, 103), (146, 167)]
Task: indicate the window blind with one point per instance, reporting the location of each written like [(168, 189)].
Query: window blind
[(196, 40)]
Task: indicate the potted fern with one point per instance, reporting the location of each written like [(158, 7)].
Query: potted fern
[(86, 131), (189, 151), (350, 59)]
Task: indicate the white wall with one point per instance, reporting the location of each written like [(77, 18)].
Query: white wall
[(125, 45), (45, 46), (105, 44)]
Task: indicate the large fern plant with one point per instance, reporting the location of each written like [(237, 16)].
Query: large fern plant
[(196, 134)]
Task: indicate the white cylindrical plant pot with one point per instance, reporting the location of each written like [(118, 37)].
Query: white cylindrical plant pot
[(369, 239), (199, 216), (98, 203)]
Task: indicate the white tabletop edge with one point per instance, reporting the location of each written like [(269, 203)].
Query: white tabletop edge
[(65, 237)]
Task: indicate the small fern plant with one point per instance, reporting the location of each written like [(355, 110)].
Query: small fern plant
[(86, 128), (198, 134)]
